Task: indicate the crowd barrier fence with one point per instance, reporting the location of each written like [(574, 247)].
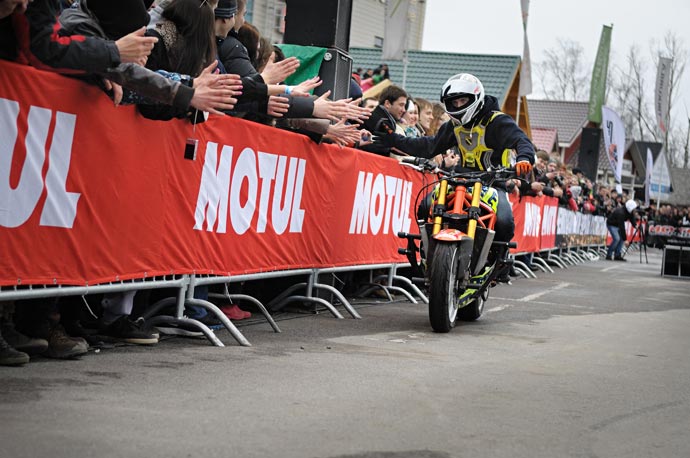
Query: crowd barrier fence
[(97, 199)]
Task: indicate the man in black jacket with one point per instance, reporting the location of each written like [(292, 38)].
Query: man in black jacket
[(616, 226)]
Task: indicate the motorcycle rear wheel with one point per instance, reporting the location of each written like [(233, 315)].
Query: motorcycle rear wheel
[(444, 294)]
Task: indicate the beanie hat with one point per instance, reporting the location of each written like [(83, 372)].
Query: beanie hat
[(226, 9)]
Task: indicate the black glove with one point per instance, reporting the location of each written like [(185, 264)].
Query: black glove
[(384, 133)]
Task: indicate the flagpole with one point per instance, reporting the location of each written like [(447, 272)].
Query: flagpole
[(405, 52)]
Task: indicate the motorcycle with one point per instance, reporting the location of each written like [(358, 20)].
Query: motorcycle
[(455, 255)]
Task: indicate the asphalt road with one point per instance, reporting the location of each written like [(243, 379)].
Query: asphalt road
[(591, 361)]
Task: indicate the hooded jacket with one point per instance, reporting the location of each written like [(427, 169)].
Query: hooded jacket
[(82, 20)]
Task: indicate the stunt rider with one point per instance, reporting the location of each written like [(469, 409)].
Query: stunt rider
[(483, 135)]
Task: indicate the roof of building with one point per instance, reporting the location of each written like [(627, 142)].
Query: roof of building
[(680, 182), (545, 139), (427, 70), (567, 117)]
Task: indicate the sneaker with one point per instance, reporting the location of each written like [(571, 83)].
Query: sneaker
[(126, 330), (180, 329), (620, 258), (22, 343), (11, 357), (62, 346), (609, 258)]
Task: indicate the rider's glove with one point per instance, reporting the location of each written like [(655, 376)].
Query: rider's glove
[(523, 168)]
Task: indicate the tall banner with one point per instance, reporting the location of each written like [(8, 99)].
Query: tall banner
[(661, 92), (648, 177), (526, 67), (660, 185), (597, 89), (395, 30), (614, 142)]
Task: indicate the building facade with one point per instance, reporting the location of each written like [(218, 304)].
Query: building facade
[(366, 27)]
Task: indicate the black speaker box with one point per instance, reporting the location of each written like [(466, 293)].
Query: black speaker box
[(588, 158), (336, 71), (325, 23)]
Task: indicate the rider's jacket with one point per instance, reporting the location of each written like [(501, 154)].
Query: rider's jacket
[(471, 144), (486, 141)]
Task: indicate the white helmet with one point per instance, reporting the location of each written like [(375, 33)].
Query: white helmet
[(463, 85), (630, 205)]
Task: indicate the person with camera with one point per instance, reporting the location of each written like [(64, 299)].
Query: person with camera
[(616, 226)]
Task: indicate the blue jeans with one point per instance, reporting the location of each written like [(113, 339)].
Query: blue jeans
[(617, 243)]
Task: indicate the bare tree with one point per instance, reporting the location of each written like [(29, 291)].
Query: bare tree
[(563, 74), (629, 96)]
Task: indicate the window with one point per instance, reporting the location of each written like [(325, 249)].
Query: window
[(249, 15)]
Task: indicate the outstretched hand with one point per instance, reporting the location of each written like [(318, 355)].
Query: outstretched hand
[(327, 109), (135, 47)]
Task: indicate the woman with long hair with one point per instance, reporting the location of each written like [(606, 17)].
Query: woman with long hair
[(186, 45)]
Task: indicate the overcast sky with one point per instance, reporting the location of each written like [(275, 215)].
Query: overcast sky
[(495, 27)]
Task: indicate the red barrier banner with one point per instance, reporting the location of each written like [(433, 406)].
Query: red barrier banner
[(536, 220), (549, 223), (527, 214), (92, 193)]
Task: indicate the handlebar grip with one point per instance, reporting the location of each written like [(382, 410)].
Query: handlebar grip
[(411, 160)]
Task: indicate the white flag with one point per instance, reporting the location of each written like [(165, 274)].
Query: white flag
[(661, 178), (661, 92), (614, 141), (648, 177), (395, 30), (526, 66)]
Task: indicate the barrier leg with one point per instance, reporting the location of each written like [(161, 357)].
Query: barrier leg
[(350, 309), (522, 268), (234, 332), (253, 300), (542, 264)]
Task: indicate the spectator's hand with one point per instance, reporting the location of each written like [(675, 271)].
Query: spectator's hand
[(275, 73), (303, 88), (8, 7), (537, 186), (343, 134), (365, 138), (211, 78), (357, 114), (523, 168), (326, 109), (557, 192), (447, 160), (116, 90), (213, 98), (277, 106), (516, 187), (135, 47)]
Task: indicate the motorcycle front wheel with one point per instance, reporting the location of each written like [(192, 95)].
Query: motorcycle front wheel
[(443, 294)]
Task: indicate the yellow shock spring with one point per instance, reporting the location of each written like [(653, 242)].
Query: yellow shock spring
[(476, 198), (443, 189)]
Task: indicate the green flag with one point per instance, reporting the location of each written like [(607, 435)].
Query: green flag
[(310, 58), (597, 90)]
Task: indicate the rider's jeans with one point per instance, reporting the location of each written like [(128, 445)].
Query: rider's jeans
[(505, 224), (617, 243)]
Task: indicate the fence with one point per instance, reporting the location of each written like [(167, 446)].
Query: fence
[(96, 199)]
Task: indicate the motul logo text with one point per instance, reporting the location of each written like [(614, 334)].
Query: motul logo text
[(19, 203)]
